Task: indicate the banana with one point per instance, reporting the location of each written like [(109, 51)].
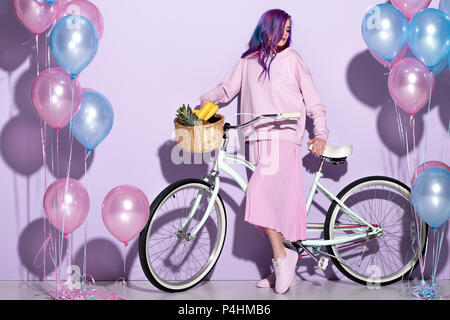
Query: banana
[(212, 111), (205, 110)]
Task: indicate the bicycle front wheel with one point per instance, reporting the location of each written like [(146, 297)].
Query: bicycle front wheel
[(169, 258), (384, 259)]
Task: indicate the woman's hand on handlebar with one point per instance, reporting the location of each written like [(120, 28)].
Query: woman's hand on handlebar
[(318, 146)]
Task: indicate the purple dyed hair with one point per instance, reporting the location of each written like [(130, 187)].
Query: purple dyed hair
[(268, 32)]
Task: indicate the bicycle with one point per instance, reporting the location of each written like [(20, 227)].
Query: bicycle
[(369, 229)]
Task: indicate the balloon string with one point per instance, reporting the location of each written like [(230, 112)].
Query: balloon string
[(85, 224), (44, 160), (48, 50), (83, 279), (403, 134), (398, 117), (87, 155), (399, 127), (407, 149), (426, 125), (412, 122), (63, 235), (57, 153), (439, 241), (124, 268), (446, 148), (418, 225), (70, 135), (60, 241), (42, 249), (54, 210), (37, 54)]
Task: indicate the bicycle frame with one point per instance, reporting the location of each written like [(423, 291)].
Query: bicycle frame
[(221, 165)]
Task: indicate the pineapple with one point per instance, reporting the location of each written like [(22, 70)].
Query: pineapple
[(187, 117)]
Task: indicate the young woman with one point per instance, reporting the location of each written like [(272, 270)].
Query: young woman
[(271, 78)]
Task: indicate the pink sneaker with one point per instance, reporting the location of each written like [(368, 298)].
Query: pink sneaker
[(284, 270), (269, 282)]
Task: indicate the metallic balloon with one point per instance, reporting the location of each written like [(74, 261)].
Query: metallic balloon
[(428, 165), (410, 7), (385, 30), (431, 196), (66, 210), (94, 120), (55, 97), (428, 36), (410, 84), (74, 43), (35, 15), (125, 212), (86, 9)]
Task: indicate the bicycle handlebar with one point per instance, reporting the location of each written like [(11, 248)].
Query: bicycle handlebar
[(276, 116)]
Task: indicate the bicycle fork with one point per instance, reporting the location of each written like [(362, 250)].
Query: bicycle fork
[(215, 190)]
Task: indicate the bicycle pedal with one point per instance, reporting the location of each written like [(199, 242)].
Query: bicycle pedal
[(323, 263)]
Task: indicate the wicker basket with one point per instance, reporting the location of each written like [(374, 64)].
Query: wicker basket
[(200, 139)]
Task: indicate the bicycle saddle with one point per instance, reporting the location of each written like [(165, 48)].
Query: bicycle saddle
[(335, 154)]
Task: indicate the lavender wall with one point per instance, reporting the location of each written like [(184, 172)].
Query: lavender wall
[(153, 57)]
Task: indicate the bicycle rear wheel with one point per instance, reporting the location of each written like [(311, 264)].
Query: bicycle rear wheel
[(170, 260), (383, 259)]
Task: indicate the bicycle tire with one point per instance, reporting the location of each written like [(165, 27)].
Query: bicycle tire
[(329, 229), (148, 269)]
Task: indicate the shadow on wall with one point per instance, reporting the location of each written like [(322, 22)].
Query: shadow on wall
[(367, 80), (176, 164), (31, 240), (104, 261), (13, 36)]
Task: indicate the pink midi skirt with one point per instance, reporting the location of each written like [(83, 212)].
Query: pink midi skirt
[(274, 196)]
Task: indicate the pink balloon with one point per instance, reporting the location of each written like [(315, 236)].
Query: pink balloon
[(125, 212), (86, 9), (409, 84), (410, 7), (51, 95), (428, 165), (394, 61), (36, 15), (66, 211)]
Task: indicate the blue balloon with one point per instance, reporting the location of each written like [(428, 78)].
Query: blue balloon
[(428, 36), (93, 121), (385, 30), (50, 2), (73, 43), (431, 196), (444, 5)]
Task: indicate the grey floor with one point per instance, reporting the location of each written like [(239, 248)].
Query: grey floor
[(227, 290)]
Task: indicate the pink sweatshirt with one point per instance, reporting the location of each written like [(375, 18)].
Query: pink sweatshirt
[(290, 89)]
